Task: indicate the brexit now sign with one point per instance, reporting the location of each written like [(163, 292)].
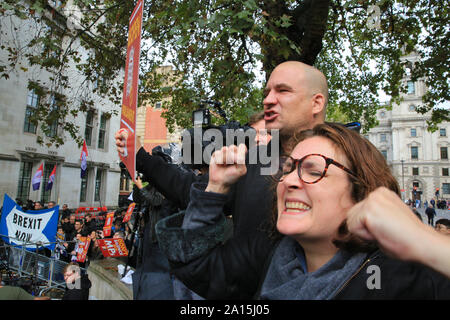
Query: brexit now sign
[(26, 229)]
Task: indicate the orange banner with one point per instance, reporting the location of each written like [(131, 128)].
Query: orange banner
[(113, 247), (108, 224), (130, 209), (130, 89), (83, 247)]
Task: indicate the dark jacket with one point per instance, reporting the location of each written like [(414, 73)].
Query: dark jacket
[(430, 212), (79, 294), (193, 242), (250, 202)]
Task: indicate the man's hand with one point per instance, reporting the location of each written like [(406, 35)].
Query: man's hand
[(226, 167), (121, 137)]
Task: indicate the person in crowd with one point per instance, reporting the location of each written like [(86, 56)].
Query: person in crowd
[(66, 212), (69, 225), (38, 205), (61, 245), (295, 98), (329, 170), (94, 251), (16, 293), (433, 203), (258, 123), (89, 225), (431, 213), (77, 284), (51, 204), (443, 226)]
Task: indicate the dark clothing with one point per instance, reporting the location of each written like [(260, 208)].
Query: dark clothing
[(242, 268), (431, 213), (250, 202), (68, 228), (81, 293)]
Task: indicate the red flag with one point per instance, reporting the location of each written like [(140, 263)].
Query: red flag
[(114, 247), (84, 154), (51, 179), (130, 89)]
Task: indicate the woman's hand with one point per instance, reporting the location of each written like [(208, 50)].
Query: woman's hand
[(226, 167), (383, 217)]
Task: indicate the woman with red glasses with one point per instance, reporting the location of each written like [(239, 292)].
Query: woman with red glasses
[(328, 171)]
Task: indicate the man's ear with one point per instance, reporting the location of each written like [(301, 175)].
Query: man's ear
[(318, 104)]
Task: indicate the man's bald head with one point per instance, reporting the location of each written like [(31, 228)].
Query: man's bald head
[(296, 96), (311, 78)]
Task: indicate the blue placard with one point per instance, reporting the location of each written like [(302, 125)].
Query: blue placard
[(28, 228)]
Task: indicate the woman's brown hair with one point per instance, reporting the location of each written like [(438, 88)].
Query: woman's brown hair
[(365, 161)]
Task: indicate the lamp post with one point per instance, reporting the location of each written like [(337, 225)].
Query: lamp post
[(403, 180)]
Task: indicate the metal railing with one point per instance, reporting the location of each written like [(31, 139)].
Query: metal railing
[(32, 264)]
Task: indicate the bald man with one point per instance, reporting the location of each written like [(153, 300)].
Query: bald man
[(295, 99), (296, 96)]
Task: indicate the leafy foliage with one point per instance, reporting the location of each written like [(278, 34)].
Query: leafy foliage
[(223, 50)]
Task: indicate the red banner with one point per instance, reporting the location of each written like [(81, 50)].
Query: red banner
[(130, 209), (130, 89), (108, 224), (83, 246), (113, 247)]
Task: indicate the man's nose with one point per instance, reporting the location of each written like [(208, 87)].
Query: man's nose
[(270, 98)]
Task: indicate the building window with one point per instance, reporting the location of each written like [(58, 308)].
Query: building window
[(98, 185), (83, 189), (32, 104), (411, 88), (383, 137), (382, 114), (158, 105), (384, 153), (45, 195), (23, 189), (89, 127), (413, 132), (445, 172), (444, 153), (446, 188), (415, 171), (442, 132), (412, 107), (414, 152), (102, 132)]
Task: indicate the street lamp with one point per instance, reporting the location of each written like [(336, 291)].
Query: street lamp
[(403, 175), (403, 181)]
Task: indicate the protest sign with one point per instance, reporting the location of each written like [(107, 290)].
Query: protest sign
[(113, 247), (83, 246), (130, 209), (108, 224), (30, 227)]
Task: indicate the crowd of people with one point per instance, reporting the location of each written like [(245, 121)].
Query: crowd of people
[(329, 214), (336, 212)]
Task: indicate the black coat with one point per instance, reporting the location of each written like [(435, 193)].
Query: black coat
[(79, 294), (237, 268)]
